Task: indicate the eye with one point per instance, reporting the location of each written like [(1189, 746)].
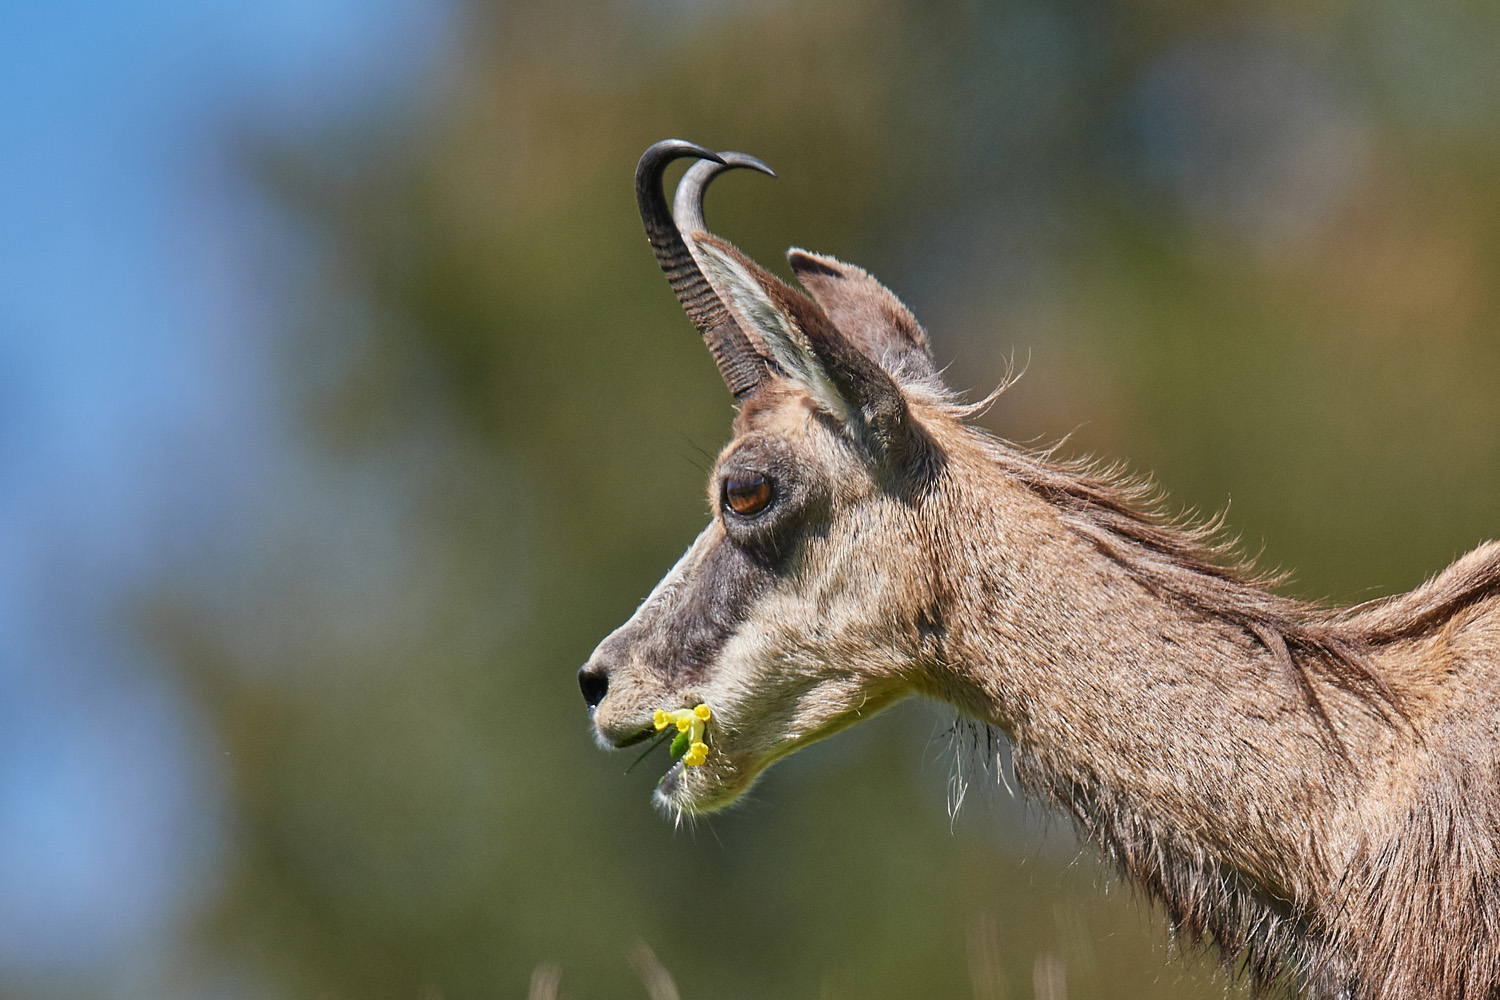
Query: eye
[(747, 495)]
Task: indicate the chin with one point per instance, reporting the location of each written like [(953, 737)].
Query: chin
[(713, 785)]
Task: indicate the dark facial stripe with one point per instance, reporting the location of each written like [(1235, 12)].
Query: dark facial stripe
[(681, 634)]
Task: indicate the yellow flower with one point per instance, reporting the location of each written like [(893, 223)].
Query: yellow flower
[(691, 723)]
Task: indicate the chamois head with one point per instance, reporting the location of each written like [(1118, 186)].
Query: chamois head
[(779, 616)]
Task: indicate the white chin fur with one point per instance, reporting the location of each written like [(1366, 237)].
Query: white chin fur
[(693, 790), (670, 790)]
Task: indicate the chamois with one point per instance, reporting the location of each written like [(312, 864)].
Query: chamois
[(1313, 791)]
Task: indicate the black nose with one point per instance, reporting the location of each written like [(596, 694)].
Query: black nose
[(595, 684)]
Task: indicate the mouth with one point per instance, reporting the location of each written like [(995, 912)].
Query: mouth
[(686, 731), (635, 738)]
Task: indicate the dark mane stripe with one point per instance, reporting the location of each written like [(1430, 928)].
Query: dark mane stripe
[(1122, 518), (1425, 609)]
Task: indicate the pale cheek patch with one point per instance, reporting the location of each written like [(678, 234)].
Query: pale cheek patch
[(802, 667)]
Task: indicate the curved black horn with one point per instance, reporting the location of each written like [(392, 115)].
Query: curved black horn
[(687, 206), (742, 368)]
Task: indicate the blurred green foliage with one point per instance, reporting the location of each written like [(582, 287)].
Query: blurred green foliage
[(507, 421)]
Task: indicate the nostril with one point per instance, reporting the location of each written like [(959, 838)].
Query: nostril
[(595, 684)]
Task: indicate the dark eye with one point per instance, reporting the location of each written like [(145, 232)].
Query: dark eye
[(747, 495)]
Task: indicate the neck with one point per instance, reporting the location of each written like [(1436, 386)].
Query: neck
[(1175, 734)]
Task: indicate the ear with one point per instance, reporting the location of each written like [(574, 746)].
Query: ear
[(795, 335), (866, 312)]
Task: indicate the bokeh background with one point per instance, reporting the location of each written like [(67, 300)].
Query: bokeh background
[(343, 409)]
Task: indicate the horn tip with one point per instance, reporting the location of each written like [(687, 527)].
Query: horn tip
[(672, 149), (734, 159)]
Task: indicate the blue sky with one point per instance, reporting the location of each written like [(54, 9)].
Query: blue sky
[(136, 406)]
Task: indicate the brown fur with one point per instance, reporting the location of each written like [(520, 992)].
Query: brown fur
[(1384, 879), (1313, 791)]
